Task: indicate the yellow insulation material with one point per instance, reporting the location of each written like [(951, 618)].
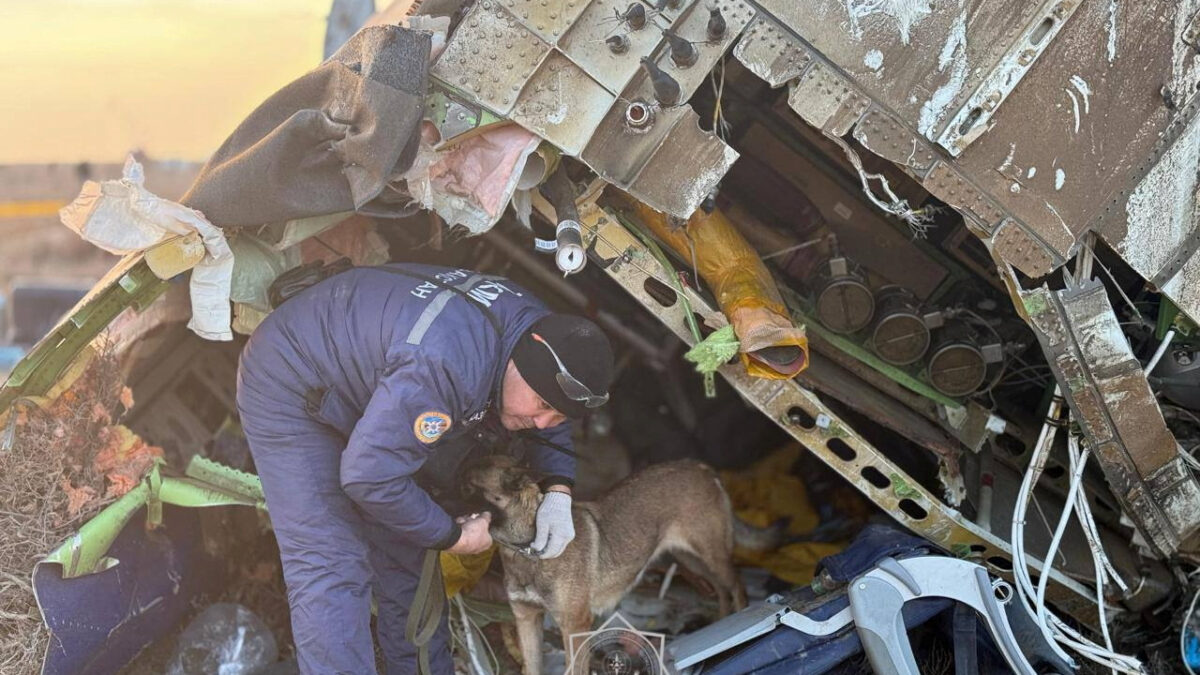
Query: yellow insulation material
[(744, 288), (763, 494)]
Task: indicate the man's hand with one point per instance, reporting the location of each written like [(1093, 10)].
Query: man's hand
[(555, 528), (475, 537)]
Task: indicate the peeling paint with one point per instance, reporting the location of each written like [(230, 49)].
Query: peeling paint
[(1100, 338), (1112, 30), (1160, 210), (1184, 73), (1060, 178), (906, 13), (874, 59), (954, 51)]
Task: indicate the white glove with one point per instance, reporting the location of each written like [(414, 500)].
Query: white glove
[(555, 529)]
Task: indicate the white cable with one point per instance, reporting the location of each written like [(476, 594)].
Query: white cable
[(919, 222), (1055, 630), (1183, 632), (1158, 353)]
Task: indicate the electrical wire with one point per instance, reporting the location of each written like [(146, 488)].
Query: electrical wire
[(1158, 353), (1056, 631)]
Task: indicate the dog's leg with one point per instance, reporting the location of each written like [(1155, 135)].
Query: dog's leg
[(529, 636), (719, 571), (574, 618)]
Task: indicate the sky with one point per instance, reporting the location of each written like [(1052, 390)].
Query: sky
[(90, 80)]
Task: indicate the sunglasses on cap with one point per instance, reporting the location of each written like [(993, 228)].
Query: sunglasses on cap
[(573, 388)]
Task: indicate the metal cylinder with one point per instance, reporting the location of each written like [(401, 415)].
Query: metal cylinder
[(957, 366), (844, 302), (899, 334)]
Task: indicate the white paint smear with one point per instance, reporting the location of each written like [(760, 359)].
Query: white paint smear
[(906, 13), (1032, 172), (954, 56), (1074, 108), (1060, 177), (874, 59), (1012, 151), (1112, 30), (1085, 91)]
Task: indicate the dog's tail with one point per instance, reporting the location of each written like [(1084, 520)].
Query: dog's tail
[(751, 537)]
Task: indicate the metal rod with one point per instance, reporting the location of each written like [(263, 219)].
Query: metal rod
[(1158, 353)]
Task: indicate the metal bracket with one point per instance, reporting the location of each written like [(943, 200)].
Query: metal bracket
[(971, 120)]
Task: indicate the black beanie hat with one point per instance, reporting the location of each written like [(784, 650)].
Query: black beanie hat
[(583, 348)]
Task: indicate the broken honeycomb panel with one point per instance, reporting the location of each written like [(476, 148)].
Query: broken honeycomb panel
[(490, 56), (562, 104)]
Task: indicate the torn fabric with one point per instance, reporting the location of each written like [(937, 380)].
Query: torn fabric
[(331, 141), (471, 182), (122, 217)]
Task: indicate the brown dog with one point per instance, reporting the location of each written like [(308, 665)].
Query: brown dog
[(678, 508)]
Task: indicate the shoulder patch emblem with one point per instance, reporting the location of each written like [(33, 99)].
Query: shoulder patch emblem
[(430, 426)]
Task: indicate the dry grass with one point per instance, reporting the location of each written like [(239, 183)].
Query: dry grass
[(53, 451)]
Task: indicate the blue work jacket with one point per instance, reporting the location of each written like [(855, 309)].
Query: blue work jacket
[(399, 367)]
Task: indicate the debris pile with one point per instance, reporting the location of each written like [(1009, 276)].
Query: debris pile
[(68, 458)]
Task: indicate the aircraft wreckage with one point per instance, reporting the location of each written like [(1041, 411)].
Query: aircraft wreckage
[(956, 242)]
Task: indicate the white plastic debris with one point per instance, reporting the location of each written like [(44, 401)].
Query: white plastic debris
[(122, 217)]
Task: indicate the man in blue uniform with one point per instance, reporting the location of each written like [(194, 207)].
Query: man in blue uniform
[(345, 392)]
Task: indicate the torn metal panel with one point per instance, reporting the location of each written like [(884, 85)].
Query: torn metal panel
[(1088, 121), (827, 100), (771, 53), (1157, 231), (1111, 399), (920, 59), (1016, 246), (1104, 96), (885, 135), (549, 68), (618, 150), (952, 187), (666, 160), (685, 169)]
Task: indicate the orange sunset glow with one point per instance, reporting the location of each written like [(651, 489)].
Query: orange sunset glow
[(92, 79)]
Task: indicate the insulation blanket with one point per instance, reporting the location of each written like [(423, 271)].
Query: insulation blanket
[(744, 288), (122, 217)]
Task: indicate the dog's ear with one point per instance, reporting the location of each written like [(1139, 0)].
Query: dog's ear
[(515, 479)]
